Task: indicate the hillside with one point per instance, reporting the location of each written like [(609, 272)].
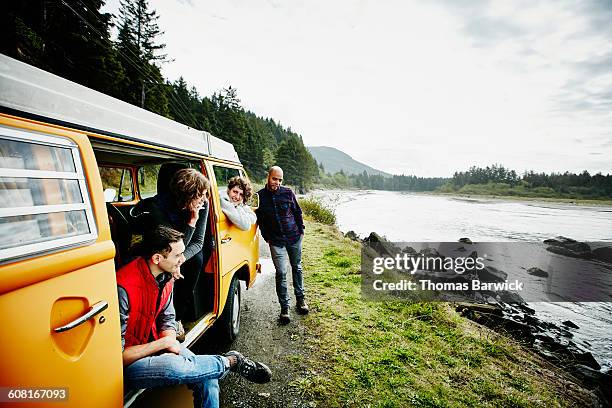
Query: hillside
[(335, 160)]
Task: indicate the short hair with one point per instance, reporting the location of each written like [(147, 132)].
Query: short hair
[(187, 185), (158, 240), (243, 184)]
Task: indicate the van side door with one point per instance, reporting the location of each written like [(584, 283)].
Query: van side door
[(58, 294)]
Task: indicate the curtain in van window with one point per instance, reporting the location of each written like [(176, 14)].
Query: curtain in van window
[(41, 194)]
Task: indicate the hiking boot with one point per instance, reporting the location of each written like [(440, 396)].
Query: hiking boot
[(284, 316), (302, 307), (180, 331), (253, 371)]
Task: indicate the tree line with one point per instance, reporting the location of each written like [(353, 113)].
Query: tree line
[(72, 39), (493, 180), (496, 179), (378, 182)]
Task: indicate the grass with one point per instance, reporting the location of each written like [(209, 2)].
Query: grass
[(316, 210), (394, 354)]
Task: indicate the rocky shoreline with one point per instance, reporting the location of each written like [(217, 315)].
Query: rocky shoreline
[(508, 313)]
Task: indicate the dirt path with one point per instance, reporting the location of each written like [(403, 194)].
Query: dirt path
[(261, 338)]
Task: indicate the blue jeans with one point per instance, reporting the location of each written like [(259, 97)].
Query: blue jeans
[(280, 256), (200, 372)]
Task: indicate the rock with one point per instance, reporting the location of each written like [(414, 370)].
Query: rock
[(433, 253), (518, 330), (352, 235), (568, 247), (430, 252), (465, 240), (537, 272), (603, 254), (510, 297), (587, 359), (526, 309), (571, 324), (478, 307), (410, 251), (533, 321), (568, 252), (589, 377), (515, 329), (461, 249), (381, 245), (491, 274)]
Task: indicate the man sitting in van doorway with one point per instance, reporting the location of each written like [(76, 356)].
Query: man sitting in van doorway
[(280, 219), (181, 203), (152, 357)]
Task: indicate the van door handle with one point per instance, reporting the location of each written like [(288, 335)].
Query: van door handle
[(226, 239), (94, 310)]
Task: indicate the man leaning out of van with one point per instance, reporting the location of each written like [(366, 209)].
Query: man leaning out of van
[(152, 357)]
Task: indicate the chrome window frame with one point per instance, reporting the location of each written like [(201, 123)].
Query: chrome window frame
[(53, 244)]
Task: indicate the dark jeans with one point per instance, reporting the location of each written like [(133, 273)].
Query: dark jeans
[(186, 290)]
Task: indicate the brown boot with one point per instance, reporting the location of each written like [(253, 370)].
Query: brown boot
[(302, 307), (284, 316)]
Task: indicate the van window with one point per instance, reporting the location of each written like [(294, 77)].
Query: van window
[(147, 180), (223, 174), (44, 203), (120, 180), (147, 177)]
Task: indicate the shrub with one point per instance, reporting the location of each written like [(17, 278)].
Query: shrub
[(315, 208)]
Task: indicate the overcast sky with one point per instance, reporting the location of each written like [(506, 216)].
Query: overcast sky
[(413, 87)]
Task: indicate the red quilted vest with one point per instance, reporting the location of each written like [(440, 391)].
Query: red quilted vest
[(142, 290)]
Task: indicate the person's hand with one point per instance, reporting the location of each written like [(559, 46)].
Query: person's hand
[(194, 211), (194, 214), (177, 275), (172, 344)]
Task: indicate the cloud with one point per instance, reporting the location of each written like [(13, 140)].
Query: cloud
[(489, 31)]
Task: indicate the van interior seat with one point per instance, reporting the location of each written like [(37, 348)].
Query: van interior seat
[(121, 234)]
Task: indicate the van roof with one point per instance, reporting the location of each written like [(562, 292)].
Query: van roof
[(25, 88)]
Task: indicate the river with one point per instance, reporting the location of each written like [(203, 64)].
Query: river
[(415, 217)]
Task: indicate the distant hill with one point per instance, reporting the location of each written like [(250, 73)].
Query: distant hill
[(335, 160)]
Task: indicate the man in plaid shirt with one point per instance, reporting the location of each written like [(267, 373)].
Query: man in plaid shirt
[(280, 220)]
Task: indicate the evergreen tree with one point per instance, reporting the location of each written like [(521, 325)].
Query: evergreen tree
[(69, 38), (137, 44)]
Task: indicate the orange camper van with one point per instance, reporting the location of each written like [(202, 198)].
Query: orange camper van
[(73, 164)]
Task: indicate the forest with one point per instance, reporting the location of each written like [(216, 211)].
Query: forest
[(73, 39)]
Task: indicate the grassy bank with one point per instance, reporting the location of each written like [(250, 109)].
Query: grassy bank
[(395, 354)]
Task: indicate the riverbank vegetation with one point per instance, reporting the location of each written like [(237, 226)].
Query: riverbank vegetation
[(492, 180), (314, 208), (497, 180), (394, 354)]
